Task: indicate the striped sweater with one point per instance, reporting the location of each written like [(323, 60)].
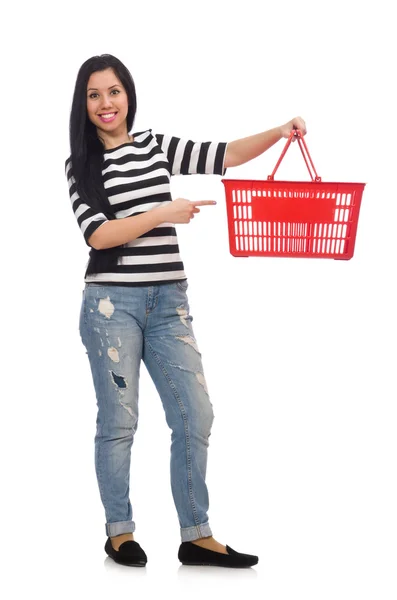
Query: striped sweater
[(136, 177)]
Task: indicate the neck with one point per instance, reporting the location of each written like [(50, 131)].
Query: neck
[(112, 141)]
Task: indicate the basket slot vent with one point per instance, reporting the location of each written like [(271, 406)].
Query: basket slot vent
[(291, 237)]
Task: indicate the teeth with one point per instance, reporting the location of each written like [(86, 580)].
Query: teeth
[(108, 115)]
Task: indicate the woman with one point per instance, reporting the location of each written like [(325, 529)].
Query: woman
[(134, 304)]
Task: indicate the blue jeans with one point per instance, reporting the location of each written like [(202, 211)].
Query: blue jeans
[(119, 326)]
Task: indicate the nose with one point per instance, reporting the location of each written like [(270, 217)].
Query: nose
[(107, 102)]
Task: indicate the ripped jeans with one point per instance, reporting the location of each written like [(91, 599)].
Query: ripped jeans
[(119, 326)]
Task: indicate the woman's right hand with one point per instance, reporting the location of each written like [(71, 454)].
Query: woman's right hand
[(182, 210)]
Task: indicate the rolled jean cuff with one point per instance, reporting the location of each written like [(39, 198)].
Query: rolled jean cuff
[(113, 529), (188, 534)]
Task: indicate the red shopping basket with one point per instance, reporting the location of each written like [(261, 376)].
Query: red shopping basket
[(299, 219)]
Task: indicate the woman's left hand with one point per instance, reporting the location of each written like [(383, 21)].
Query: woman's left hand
[(297, 123)]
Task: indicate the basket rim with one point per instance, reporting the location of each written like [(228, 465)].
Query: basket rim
[(274, 182)]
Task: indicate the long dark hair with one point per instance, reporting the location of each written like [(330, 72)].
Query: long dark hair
[(87, 149)]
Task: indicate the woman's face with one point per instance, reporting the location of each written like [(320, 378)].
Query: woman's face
[(106, 97)]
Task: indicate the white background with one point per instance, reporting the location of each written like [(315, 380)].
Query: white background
[(299, 354)]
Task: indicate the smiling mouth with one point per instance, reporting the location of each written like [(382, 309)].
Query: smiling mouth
[(107, 116)]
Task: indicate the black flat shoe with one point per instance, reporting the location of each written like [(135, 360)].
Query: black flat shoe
[(191, 554), (129, 553)]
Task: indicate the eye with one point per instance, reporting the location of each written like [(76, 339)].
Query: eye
[(95, 94)]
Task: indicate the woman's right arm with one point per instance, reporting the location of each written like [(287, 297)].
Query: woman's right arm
[(121, 231)]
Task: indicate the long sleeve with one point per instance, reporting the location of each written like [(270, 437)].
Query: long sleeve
[(186, 157), (87, 219)]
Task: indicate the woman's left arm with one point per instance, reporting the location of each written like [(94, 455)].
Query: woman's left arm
[(241, 151)]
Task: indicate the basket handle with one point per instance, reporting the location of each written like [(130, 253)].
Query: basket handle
[(302, 144)]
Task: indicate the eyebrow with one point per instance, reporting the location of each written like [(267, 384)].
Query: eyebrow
[(112, 86)]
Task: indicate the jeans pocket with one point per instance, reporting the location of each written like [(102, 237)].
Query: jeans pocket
[(182, 285)]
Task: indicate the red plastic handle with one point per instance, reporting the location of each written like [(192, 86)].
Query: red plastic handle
[(302, 144)]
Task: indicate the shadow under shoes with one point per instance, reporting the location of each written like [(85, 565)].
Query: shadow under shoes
[(129, 553), (191, 554)]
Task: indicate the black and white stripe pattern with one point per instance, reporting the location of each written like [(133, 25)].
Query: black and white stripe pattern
[(136, 176)]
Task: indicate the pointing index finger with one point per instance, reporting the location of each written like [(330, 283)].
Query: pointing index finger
[(203, 202)]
